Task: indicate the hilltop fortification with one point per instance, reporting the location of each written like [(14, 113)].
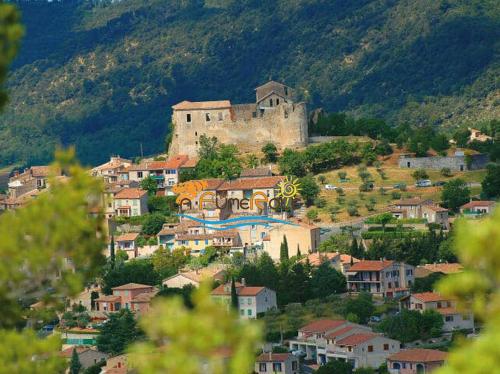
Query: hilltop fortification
[(274, 117)]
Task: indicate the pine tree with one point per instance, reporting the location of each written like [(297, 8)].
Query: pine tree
[(112, 252), (75, 365), (284, 250), (234, 295)]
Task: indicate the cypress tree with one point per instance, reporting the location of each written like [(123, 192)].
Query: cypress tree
[(112, 251), (75, 365), (298, 251), (284, 250), (234, 295)]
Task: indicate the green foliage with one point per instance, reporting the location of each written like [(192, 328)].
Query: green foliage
[(420, 174), (234, 295), (133, 271), (336, 243), (426, 284), (284, 250), (361, 306), (252, 161), (149, 184), (455, 194), (326, 281), (270, 153), (153, 223), (195, 339), (312, 215), (166, 262), (411, 325), (491, 183), (461, 136), (335, 367), (446, 172), (162, 204), (75, 365), (118, 332), (309, 189)]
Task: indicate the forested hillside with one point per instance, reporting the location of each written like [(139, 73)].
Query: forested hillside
[(104, 76)]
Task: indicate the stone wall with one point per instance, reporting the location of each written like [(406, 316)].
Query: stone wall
[(453, 162), (244, 125)]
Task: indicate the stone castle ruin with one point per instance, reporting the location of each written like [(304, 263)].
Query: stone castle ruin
[(274, 117)]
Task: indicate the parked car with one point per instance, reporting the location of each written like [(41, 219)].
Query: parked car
[(423, 183), (439, 183), (330, 187)]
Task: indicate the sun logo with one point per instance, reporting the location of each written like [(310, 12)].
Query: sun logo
[(288, 189), (188, 190)]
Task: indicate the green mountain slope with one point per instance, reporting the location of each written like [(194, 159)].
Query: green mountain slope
[(104, 77)]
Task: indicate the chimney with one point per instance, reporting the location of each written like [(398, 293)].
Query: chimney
[(270, 355), (243, 282)]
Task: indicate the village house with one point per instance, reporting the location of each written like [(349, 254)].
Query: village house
[(299, 235), (477, 208), (252, 301), (256, 173), (166, 173), (326, 340), (116, 365), (271, 363), (127, 242), (130, 202), (110, 171), (452, 318), (416, 361), (133, 296), (382, 278), (417, 208), (339, 261), (195, 277), (86, 355), (35, 177), (441, 268)]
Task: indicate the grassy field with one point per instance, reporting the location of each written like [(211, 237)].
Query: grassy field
[(392, 176)]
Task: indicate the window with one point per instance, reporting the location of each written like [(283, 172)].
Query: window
[(370, 348), (249, 301), (207, 117), (270, 102), (139, 174), (277, 367), (386, 347), (196, 133), (465, 317), (242, 312), (439, 304), (196, 242), (220, 117), (249, 312), (188, 117), (206, 241), (277, 101), (262, 367), (448, 318), (254, 114)]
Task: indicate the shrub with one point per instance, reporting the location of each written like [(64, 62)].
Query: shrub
[(395, 195), (342, 174), (320, 202), (446, 172), (420, 174), (340, 191), (352, 211)]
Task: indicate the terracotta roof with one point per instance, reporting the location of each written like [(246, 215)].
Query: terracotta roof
[(368, 265), (216, 272), (444, 268), (109, 298), (190, 105), (419, 355), (144, 297), (113, 163), (41, 171), (356, 339), (339, 332), (316, 259), (191, 163), (130, 193), (476, 204), (255, 172), (130, 236), (251, 183), (273, 357), (240, 290), (322, 325), (346, 259), (436, 208), (428, 297), (68, 352), (131, 286), (172, 163)]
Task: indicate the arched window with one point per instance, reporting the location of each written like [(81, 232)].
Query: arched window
[(420, 369), (396, 365)]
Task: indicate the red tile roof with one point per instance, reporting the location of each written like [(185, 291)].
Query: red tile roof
[(436, 208), (443, 268), (191, 163), (356, 339), (336, 333), (144, 297), (130, 193), (68, 352), (411, 202), (428, 297), (132, 286), (274, 357), (475, 204), (251, 183), (250, 291), (369, 265), (240, 290), (130, 236), (190, 105), (419, 355), (322, 325)]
